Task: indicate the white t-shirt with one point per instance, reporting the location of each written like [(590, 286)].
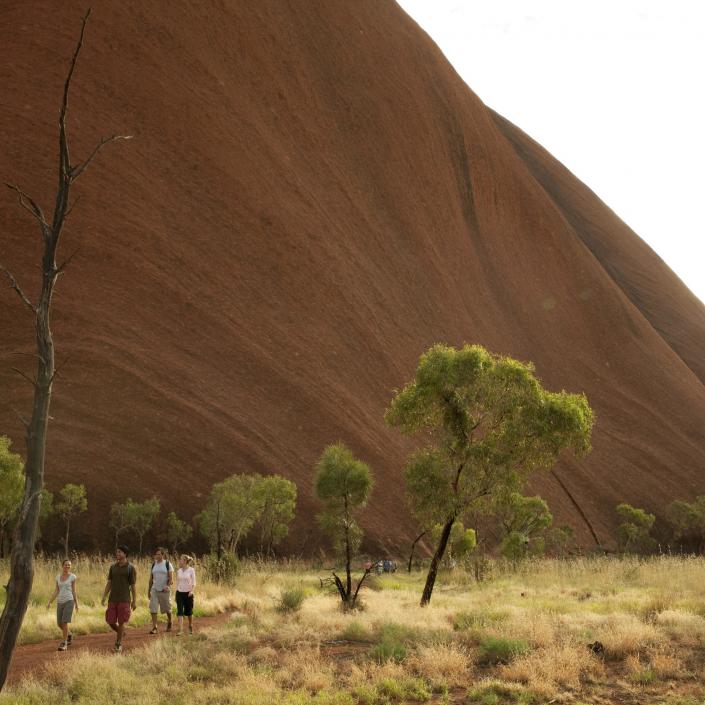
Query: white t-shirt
[(185, 579), (65, 591), (160, 576)]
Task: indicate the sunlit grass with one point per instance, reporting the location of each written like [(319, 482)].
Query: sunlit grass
[(520, 637)]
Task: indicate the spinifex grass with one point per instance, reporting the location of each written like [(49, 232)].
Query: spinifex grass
[(647, 615)]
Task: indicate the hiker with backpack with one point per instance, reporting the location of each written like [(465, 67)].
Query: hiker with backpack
[(122, 581), (65, 591), (161, 579)]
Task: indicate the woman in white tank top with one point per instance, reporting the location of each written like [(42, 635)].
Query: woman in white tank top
[(66, 601)]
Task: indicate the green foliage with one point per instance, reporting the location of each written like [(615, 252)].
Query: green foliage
[(137, 517), (688, 521), (291, 599), (388, 650), (278, 504), (223, 569), (461, 544), (343, 484), (11, 482), (178, 532), (242, 501), (495, 650), (559, 538), (634, 533), (523, 521), (490, 424), (72, 501)]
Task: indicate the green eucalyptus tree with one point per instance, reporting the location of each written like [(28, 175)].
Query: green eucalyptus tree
[(489, 423), (343, 484), (72, 501)]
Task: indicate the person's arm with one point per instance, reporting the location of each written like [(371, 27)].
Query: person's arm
[(106, 592), (53, 597), (151, 581), (133, 588), (169, 579), (193, 582), (75, 594)]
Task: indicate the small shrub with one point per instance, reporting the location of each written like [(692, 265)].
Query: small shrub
[(494, 650), (291, 599), (388, 650), (223, 569), (646, 676), (356, 632)]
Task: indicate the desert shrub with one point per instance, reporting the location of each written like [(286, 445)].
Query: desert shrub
[(291, 599), (356, 632), (388, 650), (495, 650), (223, 569), (634, 533)]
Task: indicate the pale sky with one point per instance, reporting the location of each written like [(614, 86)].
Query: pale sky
[(612, 88)]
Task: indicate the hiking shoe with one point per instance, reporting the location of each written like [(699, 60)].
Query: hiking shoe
[(63, 646), (153, 630), (118, 647), (69, 641), (168, 626)]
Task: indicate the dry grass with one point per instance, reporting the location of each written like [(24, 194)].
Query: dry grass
[(647, 614)]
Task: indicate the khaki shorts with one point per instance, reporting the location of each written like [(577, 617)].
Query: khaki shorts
[(160, 601)]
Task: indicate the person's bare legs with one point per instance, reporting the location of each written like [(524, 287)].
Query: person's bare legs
[(190, 623), (154, 619), (114, 627), (120, 631)]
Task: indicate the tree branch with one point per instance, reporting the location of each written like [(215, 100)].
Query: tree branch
[(31, 206), (76, 171), (33, 382), (14, 285), (24, 421), (60, 269)]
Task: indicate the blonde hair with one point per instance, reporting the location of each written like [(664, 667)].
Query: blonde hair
[(187, 558)]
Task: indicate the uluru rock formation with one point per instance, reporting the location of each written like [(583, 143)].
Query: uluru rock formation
[(313, 197)]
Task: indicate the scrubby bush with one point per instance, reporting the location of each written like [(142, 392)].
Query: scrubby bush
[(495, 650), (223, 569), (634, 533), (291, 599)]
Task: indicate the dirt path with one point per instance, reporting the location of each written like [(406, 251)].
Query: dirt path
[(32, 658)]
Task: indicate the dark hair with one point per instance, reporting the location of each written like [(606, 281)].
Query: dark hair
[(160, 549), (124, 549)]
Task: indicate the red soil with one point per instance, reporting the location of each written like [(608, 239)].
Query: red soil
[(32, 658), (313, 197)]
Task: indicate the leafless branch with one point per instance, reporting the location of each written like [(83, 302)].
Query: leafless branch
[(22, 419), (22, 374), (71, 207), (77, 170), (14, 285), (31, 206), (60, 269)]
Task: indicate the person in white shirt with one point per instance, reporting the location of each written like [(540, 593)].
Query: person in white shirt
[(65, 591), (185, 585), (161, 579)]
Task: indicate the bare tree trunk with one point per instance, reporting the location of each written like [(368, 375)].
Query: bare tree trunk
[(348, 554), (413, 546), (66, 539), (22, 555), (435, 562)]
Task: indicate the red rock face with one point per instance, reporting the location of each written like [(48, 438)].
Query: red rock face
[(313, 197)]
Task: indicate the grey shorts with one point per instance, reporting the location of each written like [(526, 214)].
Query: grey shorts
[(64, 612), (160, 602)]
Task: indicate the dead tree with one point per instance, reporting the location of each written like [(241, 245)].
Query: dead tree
[(22, 556)]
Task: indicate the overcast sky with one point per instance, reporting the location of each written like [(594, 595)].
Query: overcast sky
[(613, 89)]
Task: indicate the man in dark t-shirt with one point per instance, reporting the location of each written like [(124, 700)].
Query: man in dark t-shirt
[(122, 581)]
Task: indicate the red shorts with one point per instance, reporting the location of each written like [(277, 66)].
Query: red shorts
[(118, 613)]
